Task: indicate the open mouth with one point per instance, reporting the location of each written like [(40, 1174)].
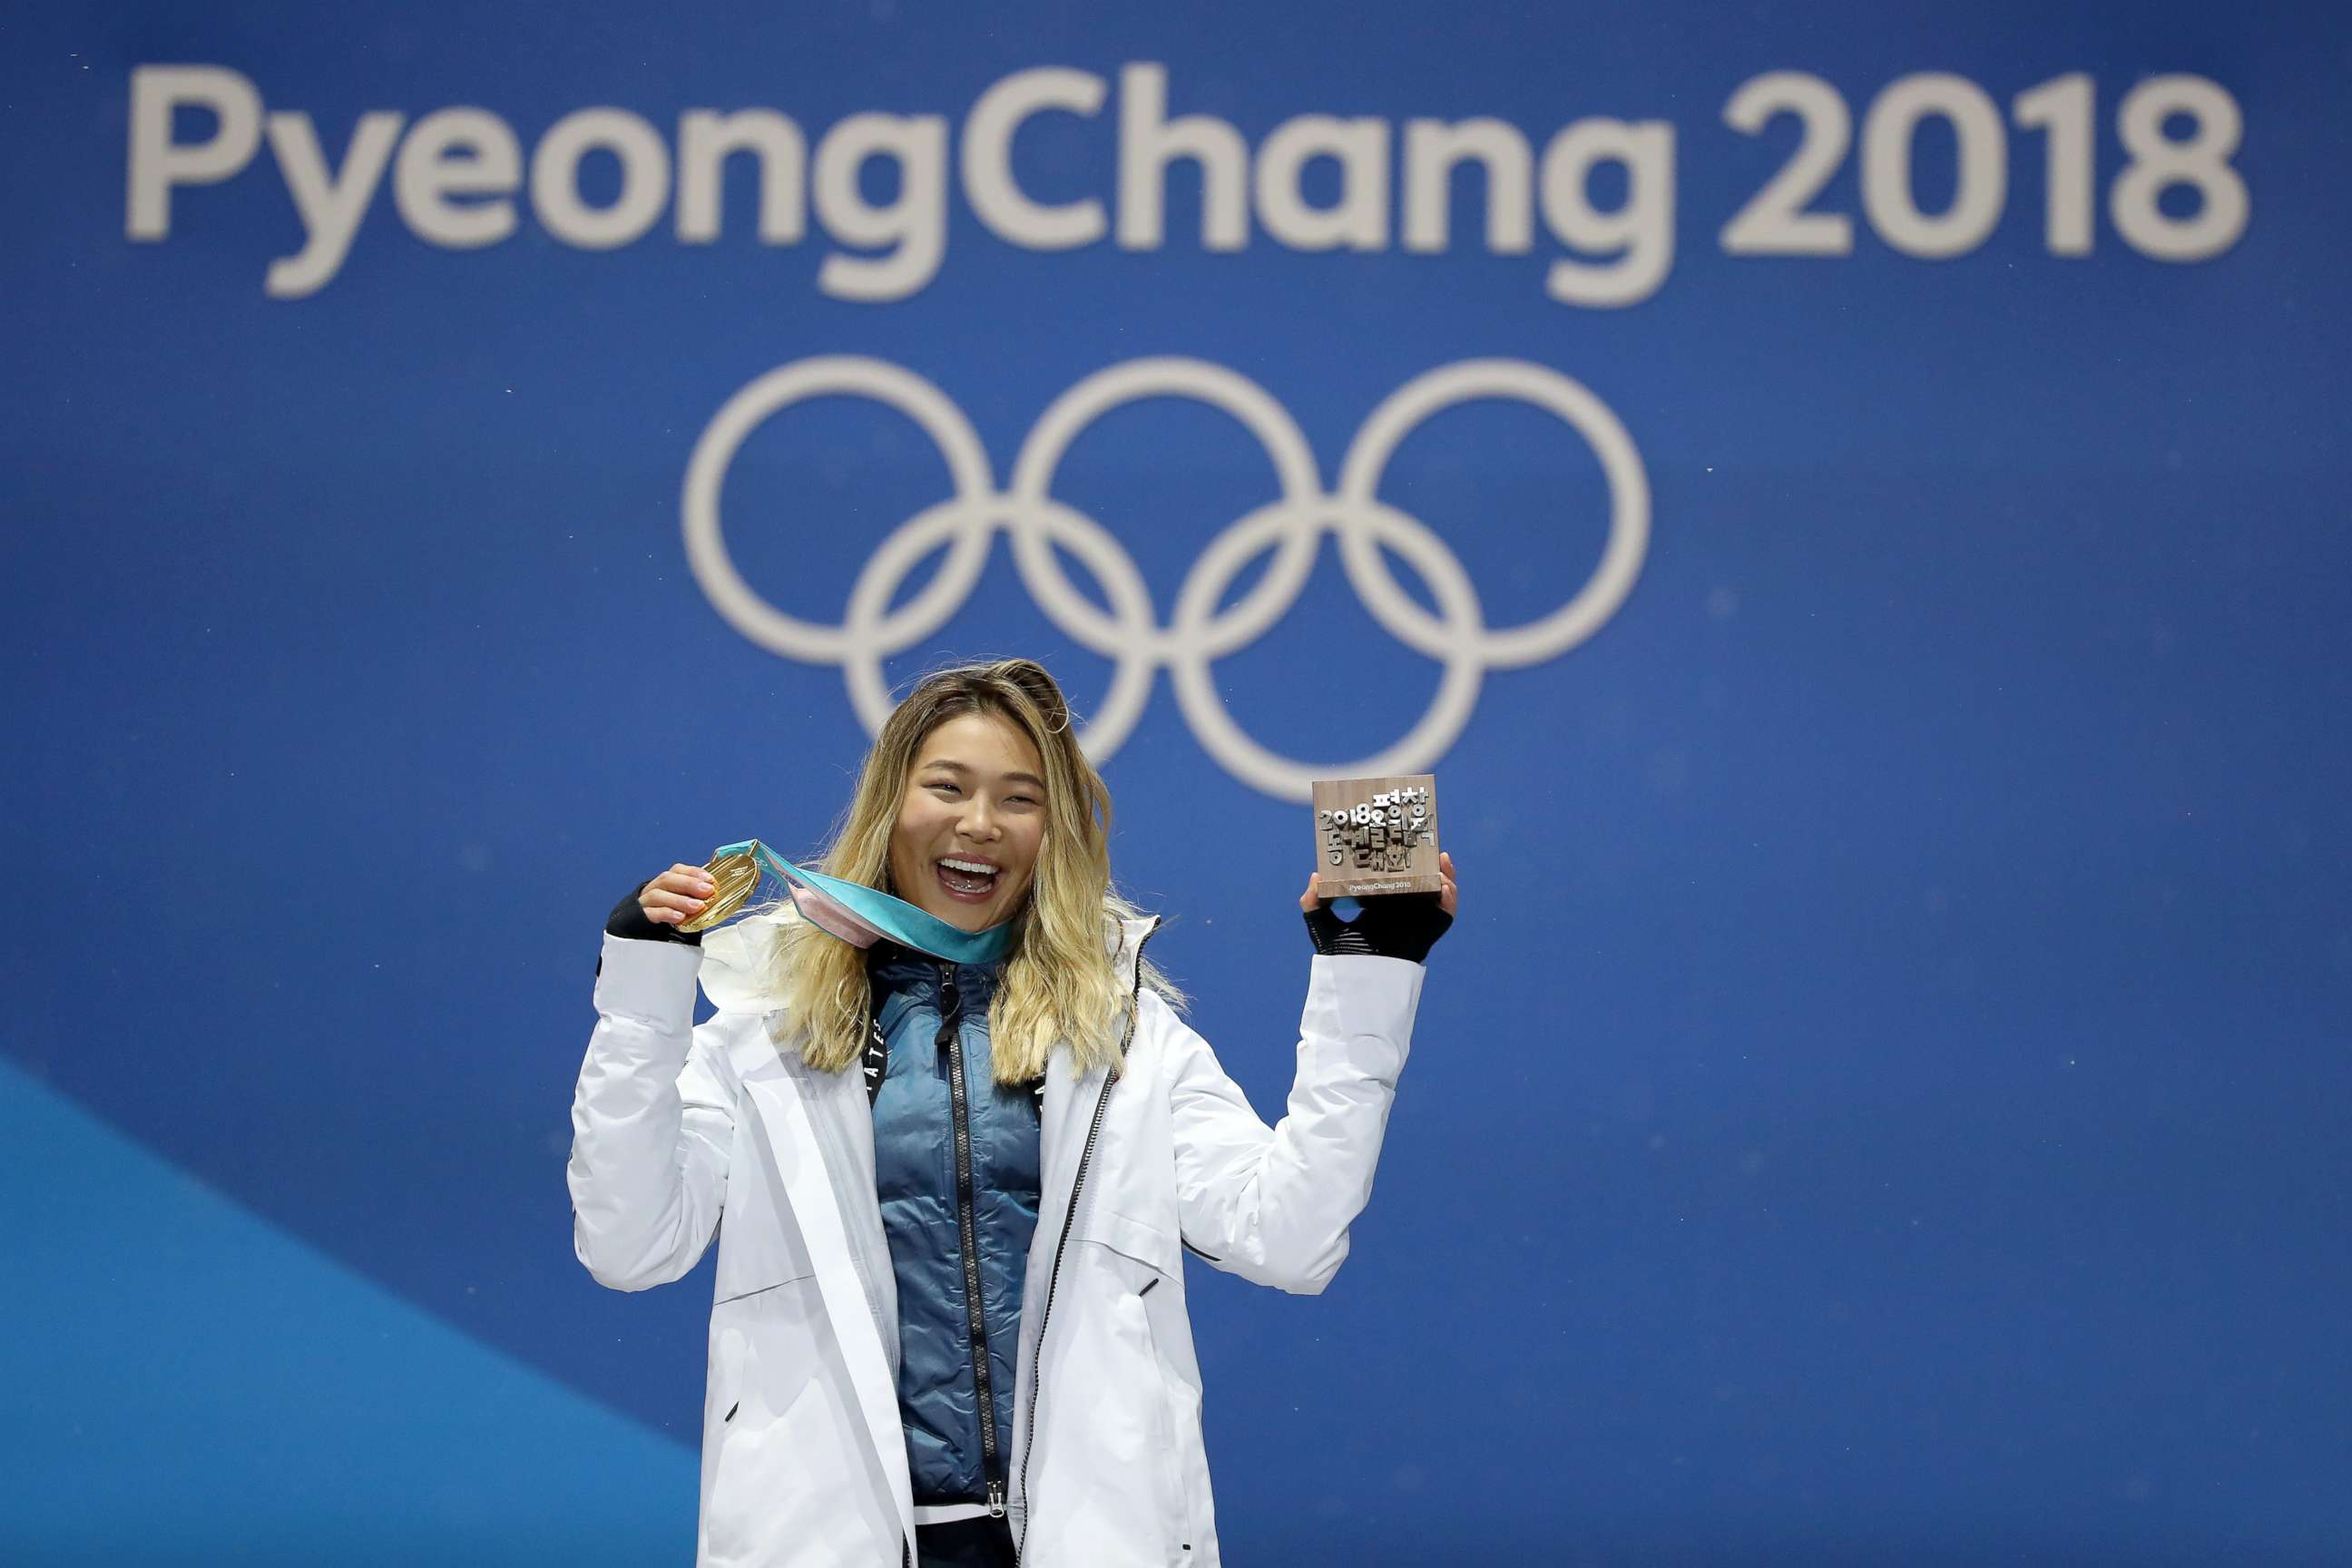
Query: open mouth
[(972, 881)]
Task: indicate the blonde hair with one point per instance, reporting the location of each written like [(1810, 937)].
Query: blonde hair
[(1059, 982)]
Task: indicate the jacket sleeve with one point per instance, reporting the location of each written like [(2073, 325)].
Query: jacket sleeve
[(652, 1119), (1272, 1204)]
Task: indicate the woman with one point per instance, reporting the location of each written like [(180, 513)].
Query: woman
[(950, 1317)]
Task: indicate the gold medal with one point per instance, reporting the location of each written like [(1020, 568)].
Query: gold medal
[(732, 878)]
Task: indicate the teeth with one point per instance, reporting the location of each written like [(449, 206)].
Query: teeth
[(972, 866)]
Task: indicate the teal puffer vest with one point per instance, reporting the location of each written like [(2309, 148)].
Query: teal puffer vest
[(958, 1214)]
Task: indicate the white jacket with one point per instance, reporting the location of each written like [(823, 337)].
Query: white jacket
[(804, 1459)]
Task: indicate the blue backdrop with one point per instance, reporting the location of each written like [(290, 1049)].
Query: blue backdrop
[(1860, 542)]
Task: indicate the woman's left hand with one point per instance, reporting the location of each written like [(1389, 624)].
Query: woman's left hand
[(1446, 896)]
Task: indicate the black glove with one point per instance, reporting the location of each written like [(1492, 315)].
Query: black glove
[(629, 918), (1393, 925)]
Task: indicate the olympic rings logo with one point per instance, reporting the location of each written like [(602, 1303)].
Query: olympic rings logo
[(1197, 634)]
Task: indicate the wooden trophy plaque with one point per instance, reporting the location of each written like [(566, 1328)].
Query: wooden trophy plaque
[(1376, 836)]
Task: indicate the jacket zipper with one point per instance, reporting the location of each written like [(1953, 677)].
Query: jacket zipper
[(1061, 1244), (991, 1466)]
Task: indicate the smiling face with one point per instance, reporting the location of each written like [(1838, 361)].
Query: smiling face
[(965, 843)]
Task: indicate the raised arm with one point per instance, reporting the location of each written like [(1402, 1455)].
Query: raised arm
[(1273, 1204), (652, 1118)]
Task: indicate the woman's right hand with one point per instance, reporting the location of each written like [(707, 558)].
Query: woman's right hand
[(676, 896)]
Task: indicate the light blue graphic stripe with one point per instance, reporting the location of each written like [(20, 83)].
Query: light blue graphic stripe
[(187, 1383)]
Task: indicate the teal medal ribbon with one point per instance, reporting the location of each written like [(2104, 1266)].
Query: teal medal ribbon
[(750, 875)]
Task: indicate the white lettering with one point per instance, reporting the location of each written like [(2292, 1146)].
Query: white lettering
[(330, 206), (1359, 220), (555, 178), (458, 177), (1433, 148), (457, 151), (1641, 232), (915, 224), (158, 162), (706, 138), (1149, 142), (988, 183)]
